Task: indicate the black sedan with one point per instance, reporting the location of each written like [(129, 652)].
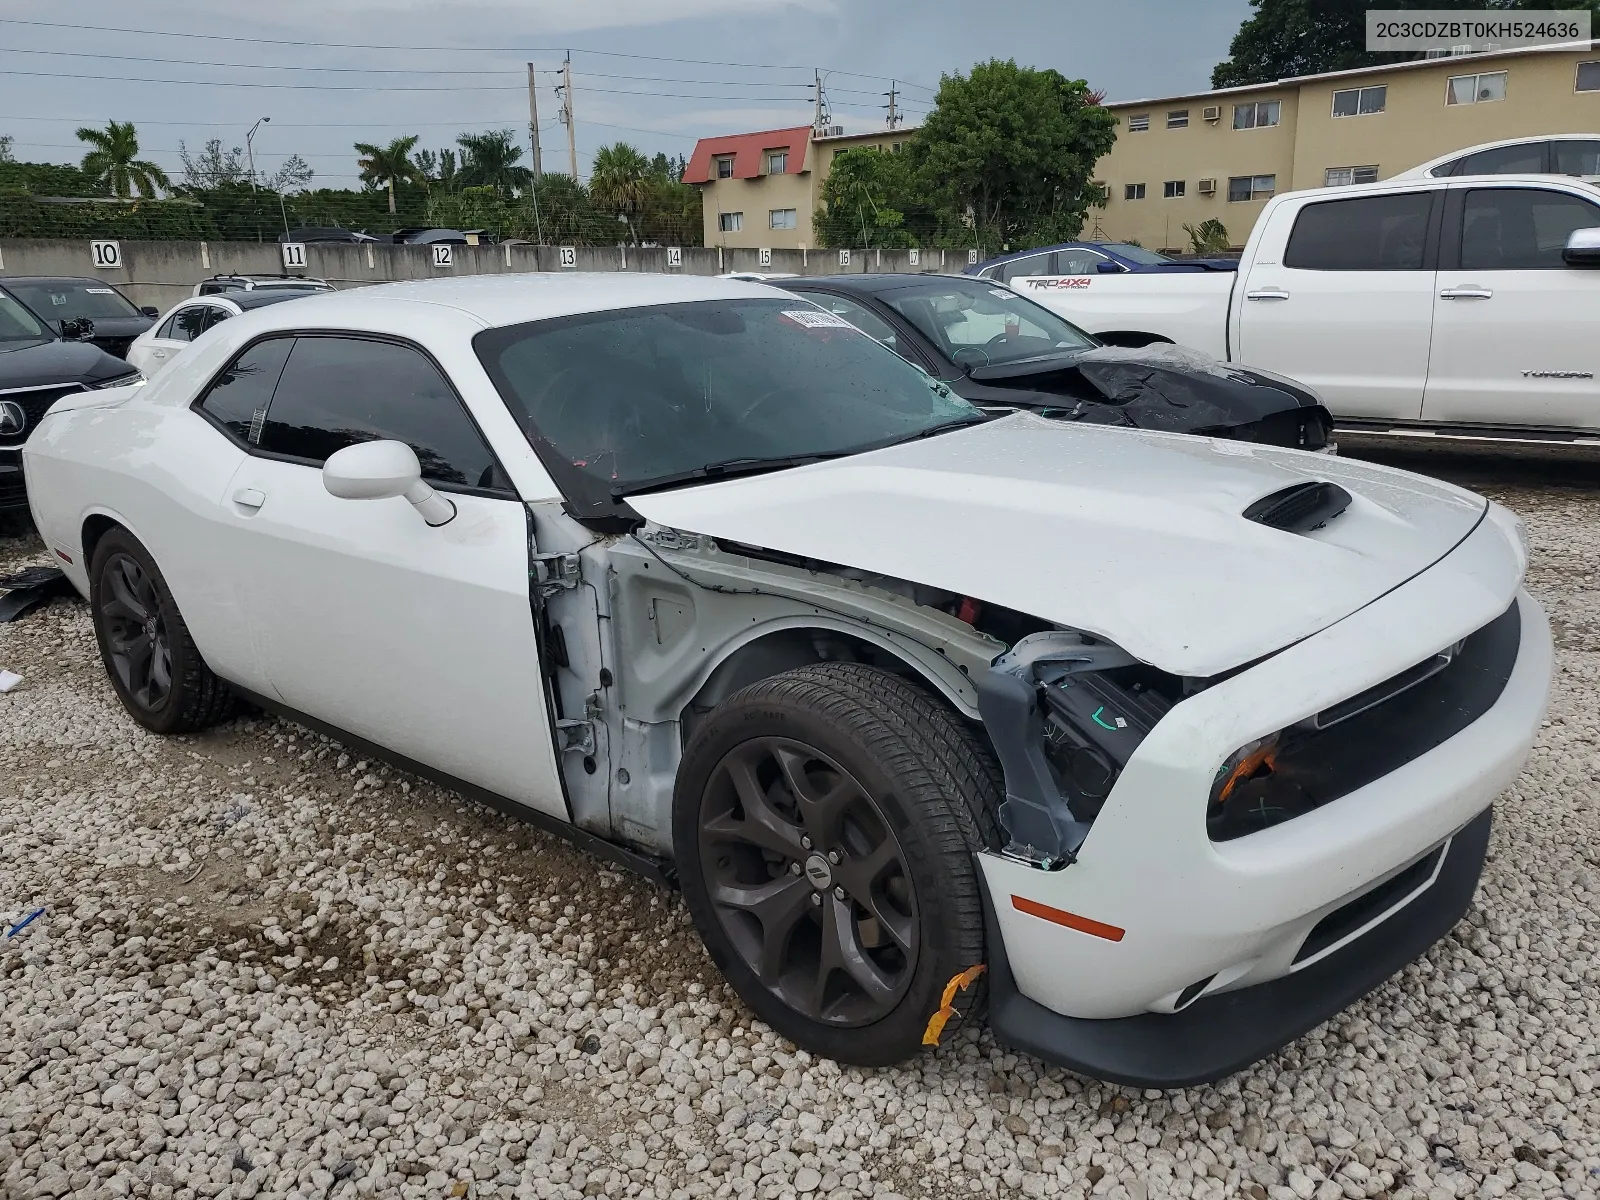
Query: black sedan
[(1002, 352), (114, 320), (37, 368)]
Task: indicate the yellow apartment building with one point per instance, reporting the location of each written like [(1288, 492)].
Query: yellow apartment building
[(760, 189), (1222, 154)]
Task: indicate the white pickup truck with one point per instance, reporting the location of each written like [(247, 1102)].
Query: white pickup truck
[(1458, 305)]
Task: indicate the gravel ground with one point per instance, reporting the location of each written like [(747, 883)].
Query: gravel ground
[(266, 967)]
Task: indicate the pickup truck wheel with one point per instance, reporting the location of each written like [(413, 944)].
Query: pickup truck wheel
[(156, 670), (824, 822)]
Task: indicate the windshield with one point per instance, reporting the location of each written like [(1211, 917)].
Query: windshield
[(615, 400), (58, 300), (980, 324), (18, 326), (1138, 254)]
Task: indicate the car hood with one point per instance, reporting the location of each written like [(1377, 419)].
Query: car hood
[(1134, 536), (57, 362)]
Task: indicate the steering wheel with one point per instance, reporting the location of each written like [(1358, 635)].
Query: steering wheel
[(997, 339)]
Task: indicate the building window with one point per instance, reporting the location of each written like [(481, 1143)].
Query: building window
[(1252, 187), (1133, 191), (1476, 89), (730, 222), (1172, 189), (777, 162), (1589, 76), (1139, 124), (781, 218), (1258, 115), (1178, 119), (896, 147), (1345, 176), (1358, 102), (725, 166)]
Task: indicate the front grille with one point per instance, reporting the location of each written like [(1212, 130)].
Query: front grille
[(1346, 919), (1315, 766), (13, 490), (35, 403)]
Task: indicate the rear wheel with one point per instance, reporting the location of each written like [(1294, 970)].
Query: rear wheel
[(824, 825), (156, 670)]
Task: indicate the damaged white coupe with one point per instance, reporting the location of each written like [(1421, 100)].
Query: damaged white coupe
[(1174, 746)]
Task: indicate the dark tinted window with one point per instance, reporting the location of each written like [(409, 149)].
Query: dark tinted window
[(1511, 229), (1524, 158), (1575, 158), (167, 326), (1373, 233), (188, 323), (238, 399), (214, 316), (336, 392)]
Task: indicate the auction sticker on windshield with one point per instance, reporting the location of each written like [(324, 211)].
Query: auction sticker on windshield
[(816, 319)]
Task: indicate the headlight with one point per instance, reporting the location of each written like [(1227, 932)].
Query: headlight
[(127, 380)]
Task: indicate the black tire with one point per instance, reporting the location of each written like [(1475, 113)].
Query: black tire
[(906, 793), (152, 661)]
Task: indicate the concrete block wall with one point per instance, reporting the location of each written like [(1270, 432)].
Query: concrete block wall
[(162, 273)]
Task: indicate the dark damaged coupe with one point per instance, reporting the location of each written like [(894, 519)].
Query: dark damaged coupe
[(1002, 352)]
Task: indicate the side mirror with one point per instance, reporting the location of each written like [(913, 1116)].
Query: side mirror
[(383, 471), (1583, 248), (150, 310), (1105, 267), (78, 329)]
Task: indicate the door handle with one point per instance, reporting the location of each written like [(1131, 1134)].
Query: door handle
[(1270, 293), (249, 497), (1469, 292)]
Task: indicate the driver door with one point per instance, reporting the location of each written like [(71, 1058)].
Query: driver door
[(418, 639)]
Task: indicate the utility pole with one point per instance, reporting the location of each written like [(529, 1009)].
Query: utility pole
[(566, 114), (533, 126), (894, 112), (820, 115)]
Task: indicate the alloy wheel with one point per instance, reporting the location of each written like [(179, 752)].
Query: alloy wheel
[(136, 631)]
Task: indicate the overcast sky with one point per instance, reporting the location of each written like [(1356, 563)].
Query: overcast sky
[(670, 54)]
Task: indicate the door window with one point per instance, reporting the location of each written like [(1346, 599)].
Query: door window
[(1078, 262), (215, 315), (1520, 229), (336, 391), (864, 319), (238, 400), (167, 326), (1575, 158), (1371, 233), (188, 323), (1034, 264)]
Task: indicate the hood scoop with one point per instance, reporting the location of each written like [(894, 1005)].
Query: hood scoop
[(1300, 508)]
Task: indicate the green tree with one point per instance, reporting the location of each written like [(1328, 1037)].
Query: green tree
[(868, 199), (491, 160), (1208, 237), (5, 148), (114, 162), (621, 181), (386, 166), (439, 169), (1284, 38), (1013, 150)]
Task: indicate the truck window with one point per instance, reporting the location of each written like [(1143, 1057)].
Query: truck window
[(1520, 229), (1369, 233)]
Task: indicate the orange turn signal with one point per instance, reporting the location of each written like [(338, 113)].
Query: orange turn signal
[(1061, 916)]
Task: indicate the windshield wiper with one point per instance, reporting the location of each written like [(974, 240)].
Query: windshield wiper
[(931, 431), (728, 468)]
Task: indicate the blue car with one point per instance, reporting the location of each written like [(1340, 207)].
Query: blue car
[(1092, 258)]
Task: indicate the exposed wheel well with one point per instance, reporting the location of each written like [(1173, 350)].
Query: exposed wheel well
[(1132, 338), (95, 528)]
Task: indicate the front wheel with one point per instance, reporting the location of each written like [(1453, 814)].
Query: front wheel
[(156, 670), (824, 822)]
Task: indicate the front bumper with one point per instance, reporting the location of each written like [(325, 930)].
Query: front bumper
[(1223, 1033), (1155, 921)]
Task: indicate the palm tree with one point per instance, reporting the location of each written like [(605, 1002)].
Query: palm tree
[(490, 160), (621, 180), (388, 165), (114, 162)]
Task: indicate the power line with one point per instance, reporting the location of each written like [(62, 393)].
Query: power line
[(522, 50)]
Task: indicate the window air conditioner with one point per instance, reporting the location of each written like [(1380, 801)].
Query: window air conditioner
[(1212, 112), (1207, 187)]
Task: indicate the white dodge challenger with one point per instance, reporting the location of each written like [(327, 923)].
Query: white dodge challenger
[(1187, 743)]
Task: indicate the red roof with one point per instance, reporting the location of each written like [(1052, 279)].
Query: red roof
[(749, 153)]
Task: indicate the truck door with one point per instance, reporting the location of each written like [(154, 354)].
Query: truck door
[(1514, 339), (1339, 295)]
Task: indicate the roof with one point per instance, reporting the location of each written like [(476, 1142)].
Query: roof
[(495, 300), (871, 282), (1294, 81), (748, 150), (870, 135), (259, 297), (84, 279)]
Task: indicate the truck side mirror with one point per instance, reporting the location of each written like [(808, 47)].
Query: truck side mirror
[(1583, 248)]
